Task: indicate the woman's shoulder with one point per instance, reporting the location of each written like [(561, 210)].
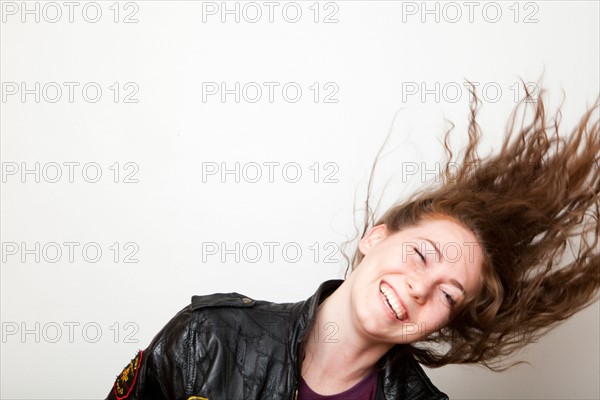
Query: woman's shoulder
[(240, 305), (225, 315)]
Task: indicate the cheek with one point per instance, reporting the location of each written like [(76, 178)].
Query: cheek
[(400, 265), (437, 318)]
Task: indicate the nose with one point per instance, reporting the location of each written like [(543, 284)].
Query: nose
[(419, 287)]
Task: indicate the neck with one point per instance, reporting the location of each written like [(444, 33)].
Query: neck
[(338, 354)]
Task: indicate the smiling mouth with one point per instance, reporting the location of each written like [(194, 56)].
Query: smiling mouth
[(393, 301)]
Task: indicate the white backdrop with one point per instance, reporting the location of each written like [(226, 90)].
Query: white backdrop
[(153, 150)]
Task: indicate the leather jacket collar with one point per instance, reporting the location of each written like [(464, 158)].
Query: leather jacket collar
[(304, 319)]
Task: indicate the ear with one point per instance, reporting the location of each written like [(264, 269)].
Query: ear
[(372, 237)]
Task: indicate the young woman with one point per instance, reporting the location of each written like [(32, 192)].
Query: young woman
[(463, 272)]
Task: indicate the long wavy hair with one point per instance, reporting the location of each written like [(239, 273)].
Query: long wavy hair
[(537, 195)]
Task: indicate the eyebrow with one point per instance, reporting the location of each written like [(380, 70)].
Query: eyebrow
[(439, 253), (437, 249), (458, 285)]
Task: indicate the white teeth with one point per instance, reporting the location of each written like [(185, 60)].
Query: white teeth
[(393, 301)]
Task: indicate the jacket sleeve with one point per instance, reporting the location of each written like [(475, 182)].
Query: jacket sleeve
[(160, 371)]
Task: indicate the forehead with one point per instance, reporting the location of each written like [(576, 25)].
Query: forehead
[(446, 228)]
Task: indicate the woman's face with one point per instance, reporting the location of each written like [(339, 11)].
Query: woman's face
[(410, 281)]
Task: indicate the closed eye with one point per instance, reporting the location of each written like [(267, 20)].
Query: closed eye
[(449, 299), (420, 255)]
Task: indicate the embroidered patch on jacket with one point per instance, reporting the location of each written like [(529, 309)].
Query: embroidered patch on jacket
[(126, 380)]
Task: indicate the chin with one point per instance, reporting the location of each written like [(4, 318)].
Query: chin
[(369, 322)]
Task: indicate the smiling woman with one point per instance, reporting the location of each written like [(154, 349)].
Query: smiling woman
[(521, 208), (463, 272), (405, 289), (421, 284)]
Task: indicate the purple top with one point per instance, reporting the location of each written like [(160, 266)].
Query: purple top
[(363, 390)]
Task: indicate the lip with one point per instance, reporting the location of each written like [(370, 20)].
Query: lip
[(402, 304)]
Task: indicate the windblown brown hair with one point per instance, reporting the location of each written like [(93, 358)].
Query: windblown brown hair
[(526, 204)]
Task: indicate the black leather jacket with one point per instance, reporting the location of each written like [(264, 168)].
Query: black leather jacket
[(230, 347)]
